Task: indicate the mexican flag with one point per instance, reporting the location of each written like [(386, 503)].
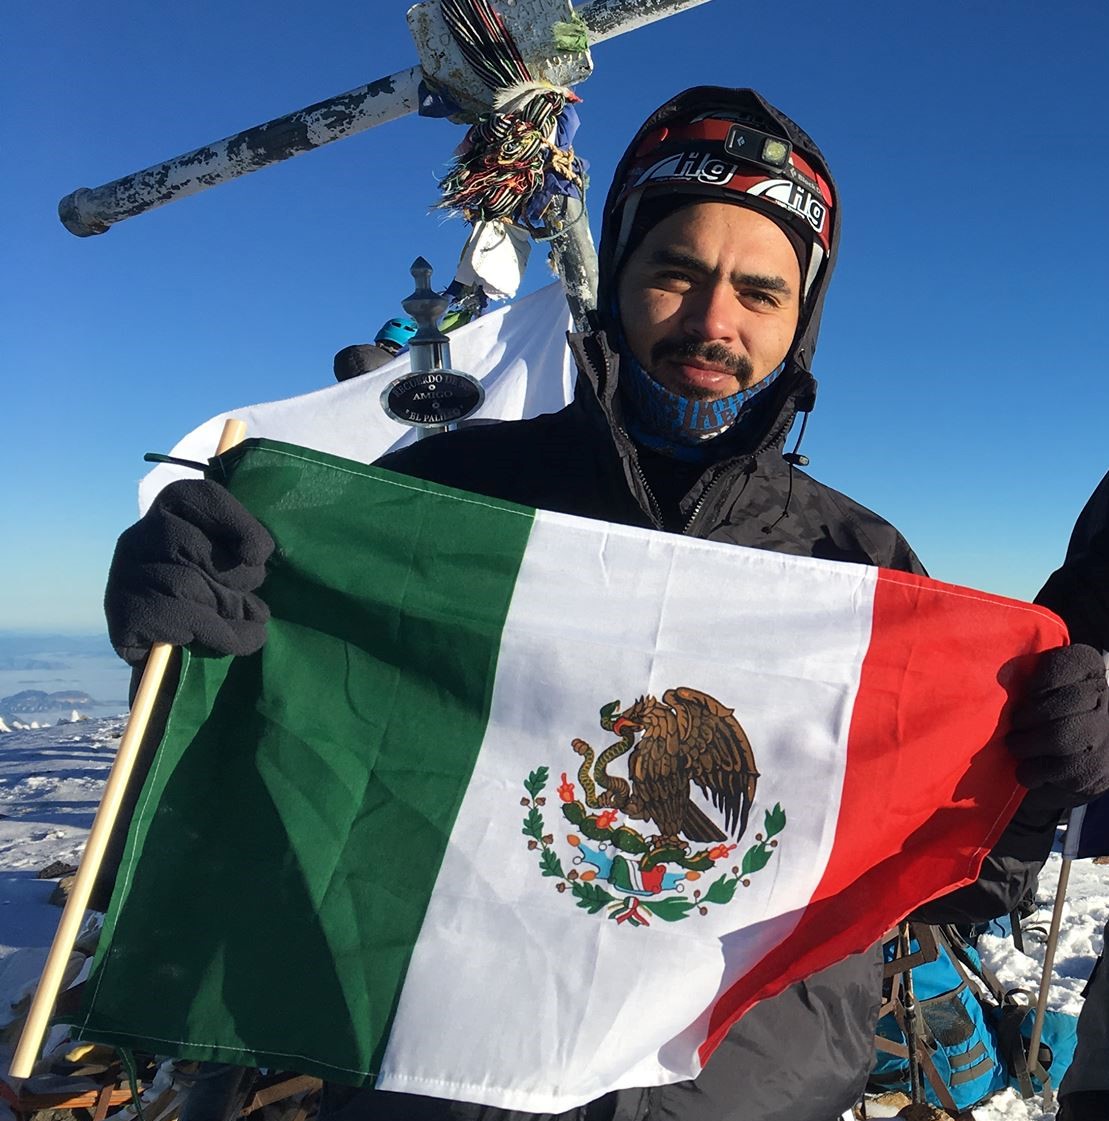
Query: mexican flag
[(518, 808)]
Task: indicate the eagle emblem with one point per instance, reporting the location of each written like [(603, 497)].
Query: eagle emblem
[(683, 766)]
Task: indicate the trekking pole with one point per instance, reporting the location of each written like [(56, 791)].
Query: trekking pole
[(916, 1090), (69, 925), (1070, 851)]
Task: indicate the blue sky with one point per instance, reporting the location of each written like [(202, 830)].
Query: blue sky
[(963, 390)]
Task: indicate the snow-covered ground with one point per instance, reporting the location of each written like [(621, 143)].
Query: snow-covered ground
[(50, 781)]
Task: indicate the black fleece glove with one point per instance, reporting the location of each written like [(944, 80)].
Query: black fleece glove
[(1060, 730), (186, 572)]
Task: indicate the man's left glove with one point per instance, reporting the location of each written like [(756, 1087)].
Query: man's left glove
[(1060, 728), (187, 572)]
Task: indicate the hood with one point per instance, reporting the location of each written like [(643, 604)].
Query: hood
[(800, 194)]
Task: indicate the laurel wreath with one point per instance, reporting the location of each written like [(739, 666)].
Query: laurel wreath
[(593, 898)]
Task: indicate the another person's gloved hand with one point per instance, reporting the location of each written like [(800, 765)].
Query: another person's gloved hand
[(186, 573), (1060, 730)]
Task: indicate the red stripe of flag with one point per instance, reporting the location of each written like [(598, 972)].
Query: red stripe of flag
[(928, 786)]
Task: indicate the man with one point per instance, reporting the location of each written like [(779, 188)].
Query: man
[(1079, 593), (719, 236)]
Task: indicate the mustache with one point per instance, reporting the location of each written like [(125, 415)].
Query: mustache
[(717, 354)]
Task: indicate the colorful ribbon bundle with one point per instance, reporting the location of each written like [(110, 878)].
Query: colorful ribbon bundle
[(512, 164)]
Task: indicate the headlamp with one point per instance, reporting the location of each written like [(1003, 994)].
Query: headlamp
[(775, 152), (757, 147)]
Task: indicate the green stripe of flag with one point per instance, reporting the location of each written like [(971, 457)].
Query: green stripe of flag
[(322, 815)]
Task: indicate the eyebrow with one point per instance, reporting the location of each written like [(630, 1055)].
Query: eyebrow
[(664, 256)]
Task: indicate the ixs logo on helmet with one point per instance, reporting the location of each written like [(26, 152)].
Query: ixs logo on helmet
[(691, 166), (795, 197)]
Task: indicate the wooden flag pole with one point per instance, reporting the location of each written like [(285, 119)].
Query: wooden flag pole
[(69, 926), (1070, 850)]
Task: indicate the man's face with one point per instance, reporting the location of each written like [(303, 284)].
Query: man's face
[(709, 299)]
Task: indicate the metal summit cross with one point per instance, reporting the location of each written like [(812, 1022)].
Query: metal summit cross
[(553, 40)]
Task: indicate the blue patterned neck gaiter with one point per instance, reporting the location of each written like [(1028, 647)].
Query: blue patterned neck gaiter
[(682, 427)]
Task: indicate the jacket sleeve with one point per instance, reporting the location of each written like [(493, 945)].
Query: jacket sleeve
[(1092, 521)]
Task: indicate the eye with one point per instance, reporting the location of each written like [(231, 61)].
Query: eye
[(760, 296), (672, 280)]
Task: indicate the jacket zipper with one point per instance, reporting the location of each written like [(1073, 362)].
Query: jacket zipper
[(654, 511), (721, 470), (700, 503)]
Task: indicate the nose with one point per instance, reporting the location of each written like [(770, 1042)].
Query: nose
[(709, 312)]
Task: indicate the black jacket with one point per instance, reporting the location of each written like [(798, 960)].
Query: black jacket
[(805, 1054), (581, 461), (1079, 590)]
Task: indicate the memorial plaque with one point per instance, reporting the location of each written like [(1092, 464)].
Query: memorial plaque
[(432, 398)]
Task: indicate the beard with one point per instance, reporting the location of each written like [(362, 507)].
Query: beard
[(738, 365)]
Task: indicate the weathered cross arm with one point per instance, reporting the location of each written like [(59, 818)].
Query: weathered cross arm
[(89, 211)]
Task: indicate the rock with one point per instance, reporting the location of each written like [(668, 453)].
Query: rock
[(55, 869), (924, 1113), (60, 894), (896, 1104)]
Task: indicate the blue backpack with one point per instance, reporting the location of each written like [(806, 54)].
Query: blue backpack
[(973, 1036)]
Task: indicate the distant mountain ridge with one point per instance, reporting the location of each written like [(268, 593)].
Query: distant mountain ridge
[(38, 700)]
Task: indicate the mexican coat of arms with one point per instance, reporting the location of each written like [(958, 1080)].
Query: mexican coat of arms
[(663, 751)]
